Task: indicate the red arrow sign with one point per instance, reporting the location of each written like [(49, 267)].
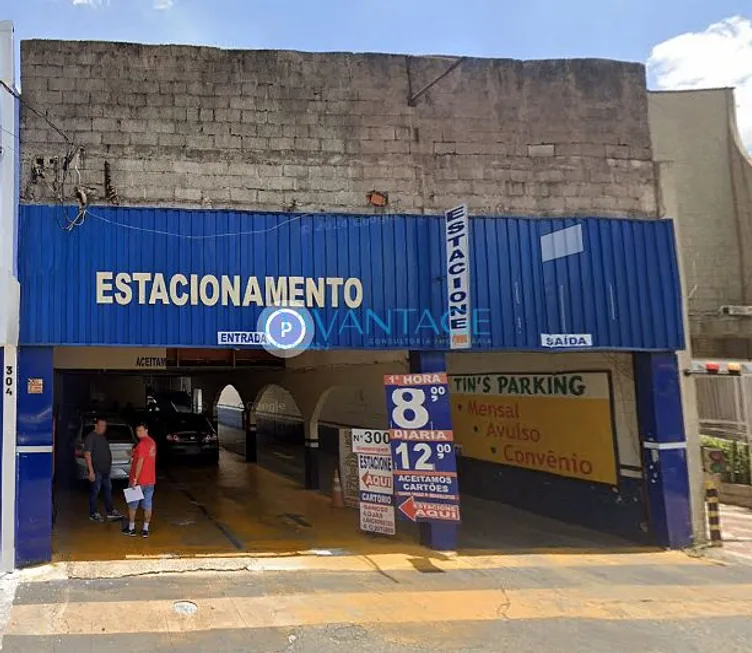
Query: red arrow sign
[(377, 481), (409, 508), (432, 511)]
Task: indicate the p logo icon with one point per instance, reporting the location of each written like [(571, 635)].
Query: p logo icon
[(289, 331)]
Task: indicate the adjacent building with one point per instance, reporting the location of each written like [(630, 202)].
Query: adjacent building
[(705, 185)]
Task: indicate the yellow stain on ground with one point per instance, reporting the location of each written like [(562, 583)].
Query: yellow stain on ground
[(608, 602), (238, 509), (245, 515), (230, 510)]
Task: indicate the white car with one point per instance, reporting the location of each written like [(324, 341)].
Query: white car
[(122, 440)]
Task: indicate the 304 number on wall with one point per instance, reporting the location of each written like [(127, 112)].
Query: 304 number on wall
[(9, 381)]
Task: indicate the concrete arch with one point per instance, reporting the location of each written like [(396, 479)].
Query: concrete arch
[(277, 431), (352, 405), (230, 386), (358, 402), (258, 402)]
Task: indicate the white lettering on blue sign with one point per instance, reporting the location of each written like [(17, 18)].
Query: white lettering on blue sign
[(241, 338), (149, 288), (458, 277), (564, 340)]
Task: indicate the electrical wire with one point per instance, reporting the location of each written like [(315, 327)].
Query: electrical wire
[(71, 155), (159, 232)]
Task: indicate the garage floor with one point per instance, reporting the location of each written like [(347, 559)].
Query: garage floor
[(238, 508), (235, 508)]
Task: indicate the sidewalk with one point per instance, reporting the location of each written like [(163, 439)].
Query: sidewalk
[(392, 603), (736, 530)]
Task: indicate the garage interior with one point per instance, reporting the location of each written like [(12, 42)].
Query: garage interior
[(233, 507), (250, 502)]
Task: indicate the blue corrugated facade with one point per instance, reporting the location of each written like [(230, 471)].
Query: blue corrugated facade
[(622, 288)]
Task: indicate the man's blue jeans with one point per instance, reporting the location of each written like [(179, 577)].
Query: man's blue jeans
[(103, 483)]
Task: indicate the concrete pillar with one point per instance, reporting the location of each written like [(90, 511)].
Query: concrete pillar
[(440, 536), (9, 470), (661, 425), (311, 427), (9, 288), (251, 437)]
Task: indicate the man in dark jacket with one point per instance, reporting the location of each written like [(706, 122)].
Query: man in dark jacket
[(99, 462)]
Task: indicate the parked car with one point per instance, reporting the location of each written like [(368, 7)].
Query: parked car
[(185, 435), (171, 401), (121, 438)]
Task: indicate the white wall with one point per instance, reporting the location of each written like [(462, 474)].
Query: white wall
[(275, 401), (356, 396), (230, 397)]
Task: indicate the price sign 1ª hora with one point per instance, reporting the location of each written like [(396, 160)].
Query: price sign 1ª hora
[(422, 445)]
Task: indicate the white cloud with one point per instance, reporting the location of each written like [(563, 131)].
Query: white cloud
[(89, 3), (720, 56), (164, 4)]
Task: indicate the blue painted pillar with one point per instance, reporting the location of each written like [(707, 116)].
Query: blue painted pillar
[(34, 452), (440, 536), (661, 425)]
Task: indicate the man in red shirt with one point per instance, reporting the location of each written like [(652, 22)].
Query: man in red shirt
[(144, 474)]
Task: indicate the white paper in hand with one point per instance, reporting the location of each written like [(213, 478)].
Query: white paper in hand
[(133, 494)]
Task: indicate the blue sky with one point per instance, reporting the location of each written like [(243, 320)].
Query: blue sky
[(692, 42), (622, 29)]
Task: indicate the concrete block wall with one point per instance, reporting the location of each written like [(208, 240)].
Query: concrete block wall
[(279, 130)]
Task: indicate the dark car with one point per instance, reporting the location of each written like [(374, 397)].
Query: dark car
[(169, 402), (185, 436)]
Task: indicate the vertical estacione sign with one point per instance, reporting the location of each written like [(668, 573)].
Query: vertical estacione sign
[(458, 277)]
